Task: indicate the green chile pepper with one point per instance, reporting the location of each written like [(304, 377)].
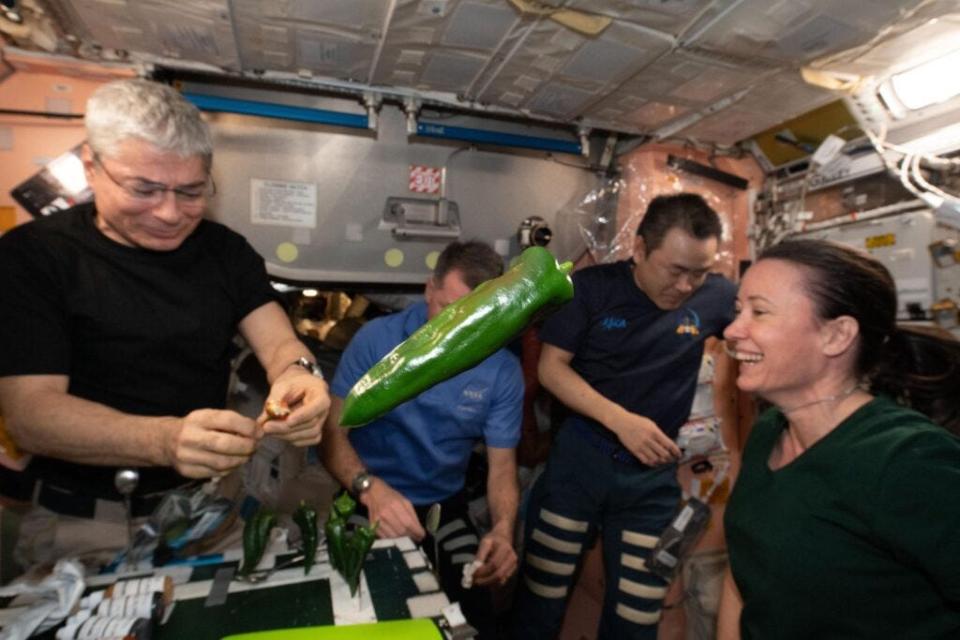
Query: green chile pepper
[(359, 545), (344, 506), (347, 547), (336, 531), (305, 518), (460, 336), (256, 535)]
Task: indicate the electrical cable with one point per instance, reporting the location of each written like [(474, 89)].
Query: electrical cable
[(917, 177)]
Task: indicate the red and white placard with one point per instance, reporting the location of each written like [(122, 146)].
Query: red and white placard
[(425, 179)]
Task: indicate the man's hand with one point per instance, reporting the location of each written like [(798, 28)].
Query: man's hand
[(308, 399), (643, 438), (212, 442), (396, 514), (498, 558)]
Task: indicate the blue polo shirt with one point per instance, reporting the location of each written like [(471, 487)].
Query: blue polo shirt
[(644, 358), (421, 448)]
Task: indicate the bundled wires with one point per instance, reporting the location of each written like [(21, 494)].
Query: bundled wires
[(909, 171)]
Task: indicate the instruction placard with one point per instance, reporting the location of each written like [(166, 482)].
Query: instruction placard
[(282, 203)]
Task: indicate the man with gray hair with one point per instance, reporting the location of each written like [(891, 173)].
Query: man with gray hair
[(116, 324)]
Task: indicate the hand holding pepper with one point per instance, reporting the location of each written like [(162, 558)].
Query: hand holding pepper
[(210, 442), (307, 399)]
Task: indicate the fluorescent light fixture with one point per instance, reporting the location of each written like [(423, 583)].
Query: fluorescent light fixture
[(930, 83), (68, 170)]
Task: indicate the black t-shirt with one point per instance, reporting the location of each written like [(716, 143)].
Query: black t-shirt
[(144, 332), (642, 357)]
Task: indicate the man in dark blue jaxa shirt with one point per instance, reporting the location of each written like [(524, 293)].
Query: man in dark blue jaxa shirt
[(624, 356)]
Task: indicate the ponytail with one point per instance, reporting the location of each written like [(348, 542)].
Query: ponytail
[(920, 368)]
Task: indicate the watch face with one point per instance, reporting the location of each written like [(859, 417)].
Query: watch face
[(312, 367), (361, 483)]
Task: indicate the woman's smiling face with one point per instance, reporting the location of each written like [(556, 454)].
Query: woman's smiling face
[(777, 336)]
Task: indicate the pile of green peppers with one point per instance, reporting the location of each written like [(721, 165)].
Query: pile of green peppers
[(256, 537), (347, 546), (461, 336)]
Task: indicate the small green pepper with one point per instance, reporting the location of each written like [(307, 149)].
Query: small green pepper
[(347, 546), (460, 336), (344, 506), (305, 518), (358, 547), (336, 531), (256, 535)]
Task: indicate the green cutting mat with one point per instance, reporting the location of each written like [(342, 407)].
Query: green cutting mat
[(293, 605), (290, 606)]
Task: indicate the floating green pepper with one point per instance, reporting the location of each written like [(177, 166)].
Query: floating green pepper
[(256, 535), (460, 336), (305, 518)]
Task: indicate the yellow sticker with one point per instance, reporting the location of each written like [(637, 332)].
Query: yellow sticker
[(8, 218), (393, 258), (431, 260), (287, 252), (885, 240)]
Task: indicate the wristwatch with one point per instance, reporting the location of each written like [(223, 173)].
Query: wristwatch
[(360, 483), (312, 367)]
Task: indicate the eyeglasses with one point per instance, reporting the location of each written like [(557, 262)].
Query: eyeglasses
[(152, 192)]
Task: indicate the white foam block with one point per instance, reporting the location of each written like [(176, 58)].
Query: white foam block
[(425, 582), (429, 605), (405, 544), (349, 609), (415, 559)]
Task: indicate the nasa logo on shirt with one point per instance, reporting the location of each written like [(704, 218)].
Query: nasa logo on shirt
[(473, 399), (689, 323)]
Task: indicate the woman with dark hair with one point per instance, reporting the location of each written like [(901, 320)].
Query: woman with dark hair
[(844, 521)]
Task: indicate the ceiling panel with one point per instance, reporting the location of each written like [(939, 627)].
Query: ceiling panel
[(718, 70)]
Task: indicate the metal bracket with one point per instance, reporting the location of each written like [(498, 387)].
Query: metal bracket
[(413, 218)]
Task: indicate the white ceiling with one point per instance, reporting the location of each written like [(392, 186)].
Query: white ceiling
[(715, 70)]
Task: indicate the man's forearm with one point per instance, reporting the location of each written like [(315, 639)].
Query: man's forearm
[(284, 356), (576, 393), (269, 333), (338, 455), (56, 424), (503, 497)]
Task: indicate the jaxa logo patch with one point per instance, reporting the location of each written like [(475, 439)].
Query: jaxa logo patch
[(689, 323), (612, 322)]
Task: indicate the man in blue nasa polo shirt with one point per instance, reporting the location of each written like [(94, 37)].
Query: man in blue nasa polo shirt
[(416, 455), (624, 356)]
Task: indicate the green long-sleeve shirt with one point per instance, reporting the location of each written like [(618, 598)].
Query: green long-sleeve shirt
[(858, 537)]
